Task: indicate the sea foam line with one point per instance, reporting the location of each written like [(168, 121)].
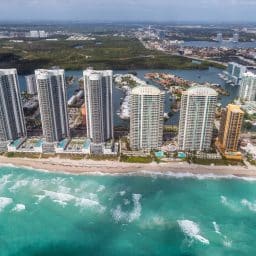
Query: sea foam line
[(177, 175)]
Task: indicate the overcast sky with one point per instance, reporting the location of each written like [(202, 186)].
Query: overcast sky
[(129, 10)]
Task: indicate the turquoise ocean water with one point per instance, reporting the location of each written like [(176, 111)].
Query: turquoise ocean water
[(56, 214)]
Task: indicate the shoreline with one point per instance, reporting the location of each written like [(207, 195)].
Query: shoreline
[(91, 167)]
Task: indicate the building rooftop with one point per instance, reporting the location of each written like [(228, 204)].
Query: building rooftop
[(44, 73), (234, 108), (200, 91), (146, 90), (236, 64), (249, 73), (96, 74), (10, 71)]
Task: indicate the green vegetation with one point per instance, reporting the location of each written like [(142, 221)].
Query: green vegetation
[(170, 128), (71, 156), (247, 126), (136, 159), (215, 162), (47, 155), (106, 52), (206, 64), (250, 159), (22, 155), (129, 81)]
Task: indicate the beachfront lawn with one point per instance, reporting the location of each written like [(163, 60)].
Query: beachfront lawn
[(136, 159), (216, 162), (71, 156), (22, 155)]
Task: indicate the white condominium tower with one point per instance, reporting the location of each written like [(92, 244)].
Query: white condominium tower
[(247, 90), (146, 117), (12, 121), (99, 105), (197, 115), (53, 104), (31, 84), (235, 72)]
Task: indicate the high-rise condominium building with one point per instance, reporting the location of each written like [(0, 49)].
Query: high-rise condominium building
[(235, 72), (31, 84), (197, 115), (230, 128), (146, 117), (219, 37), (235, 38), (247, 90), (99, 105), (12, 121), (53, 104)]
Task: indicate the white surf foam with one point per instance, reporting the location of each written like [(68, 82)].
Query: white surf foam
[(192, 230), (8, 165), (223, 200), (5, 201), (216, 227), (5, 179), (18, 184), (64, 198), (122, 193), (84, 203), (228, 203), (58, 197), (156, 222), (101, 188), (178, 175), (126, 201), (227, 242), (182, 175), (63, 189), (19, 208), (251, 206), (135, 214), (119, 215)]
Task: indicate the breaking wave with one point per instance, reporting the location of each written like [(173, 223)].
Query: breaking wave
[(192, 230), (216, 228), (251, 206), (19, 208), (119, 215), (64, 198), (5, 201)]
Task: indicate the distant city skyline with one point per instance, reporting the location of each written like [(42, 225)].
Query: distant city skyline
[(131, 10)]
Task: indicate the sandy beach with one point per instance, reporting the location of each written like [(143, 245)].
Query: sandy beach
[(115, 167)]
